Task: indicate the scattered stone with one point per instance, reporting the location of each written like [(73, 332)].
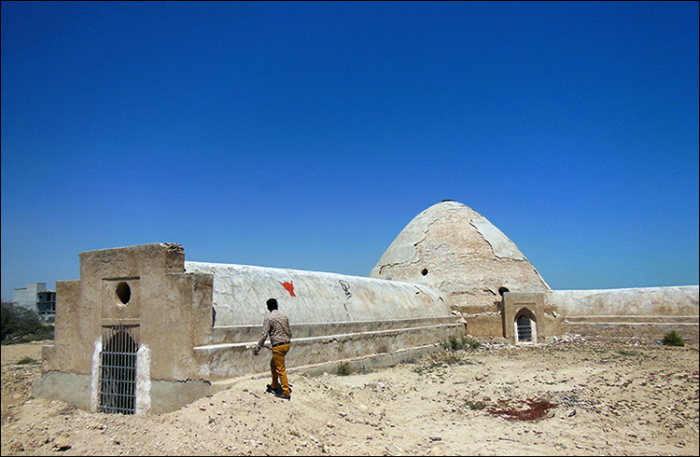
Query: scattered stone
[(392, 449), (62, 445), (16, 446)]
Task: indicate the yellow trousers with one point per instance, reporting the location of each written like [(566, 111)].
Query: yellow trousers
[(278, 368)]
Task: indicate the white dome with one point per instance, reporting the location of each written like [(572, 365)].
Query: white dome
[(453, 249)]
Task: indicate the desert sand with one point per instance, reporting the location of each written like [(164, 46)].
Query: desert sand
[(575, 397)]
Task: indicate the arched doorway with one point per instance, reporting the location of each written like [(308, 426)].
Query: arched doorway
[(118, 372), (525, 327)]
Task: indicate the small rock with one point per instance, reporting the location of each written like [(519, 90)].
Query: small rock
[(16, 446), (62, 445), (435, 438), (393, 449)]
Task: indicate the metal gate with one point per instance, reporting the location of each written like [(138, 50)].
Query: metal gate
[(118, 371), (524, 328)]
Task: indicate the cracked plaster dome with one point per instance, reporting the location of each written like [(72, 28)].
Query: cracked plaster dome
[(452, 248)]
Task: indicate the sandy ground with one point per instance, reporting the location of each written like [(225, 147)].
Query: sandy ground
[(611, 399)]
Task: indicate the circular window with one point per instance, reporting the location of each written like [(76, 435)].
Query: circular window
[(123, 292)]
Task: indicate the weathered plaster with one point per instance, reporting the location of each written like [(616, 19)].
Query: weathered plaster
[(240, 293), (194, 322), (457, 251), (143, 379), (643, 313), (502, 246)]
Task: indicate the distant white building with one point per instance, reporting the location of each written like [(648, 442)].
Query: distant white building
[(37, 298)]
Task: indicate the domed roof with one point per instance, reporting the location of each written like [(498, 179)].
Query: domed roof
[(456, 250)]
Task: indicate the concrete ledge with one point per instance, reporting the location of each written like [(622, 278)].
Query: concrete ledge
[(72, 388), (355, 364), (223, 361), (169, 396), (247, 333), (316, 339), (611, 319)]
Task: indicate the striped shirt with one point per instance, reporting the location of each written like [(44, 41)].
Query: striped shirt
[(276, 326)]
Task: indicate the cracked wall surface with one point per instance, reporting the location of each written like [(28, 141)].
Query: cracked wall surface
[(195, 322), (457, 251), (240, 293), (502, 246)]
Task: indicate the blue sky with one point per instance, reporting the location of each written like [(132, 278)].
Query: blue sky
[(307, 135)]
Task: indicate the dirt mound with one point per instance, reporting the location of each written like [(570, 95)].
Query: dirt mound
[(611, 399)]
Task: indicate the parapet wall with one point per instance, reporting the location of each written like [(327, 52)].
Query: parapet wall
[(641, 313), (333, 317), (188, 327), (174, 331), (308, 297)]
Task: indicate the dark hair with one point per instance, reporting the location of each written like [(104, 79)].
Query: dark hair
[(272, 304)]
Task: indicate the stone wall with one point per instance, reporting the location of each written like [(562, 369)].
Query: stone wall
[(194, 323), (333, 317), (240, 293), (641, 313), (449, 271)]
